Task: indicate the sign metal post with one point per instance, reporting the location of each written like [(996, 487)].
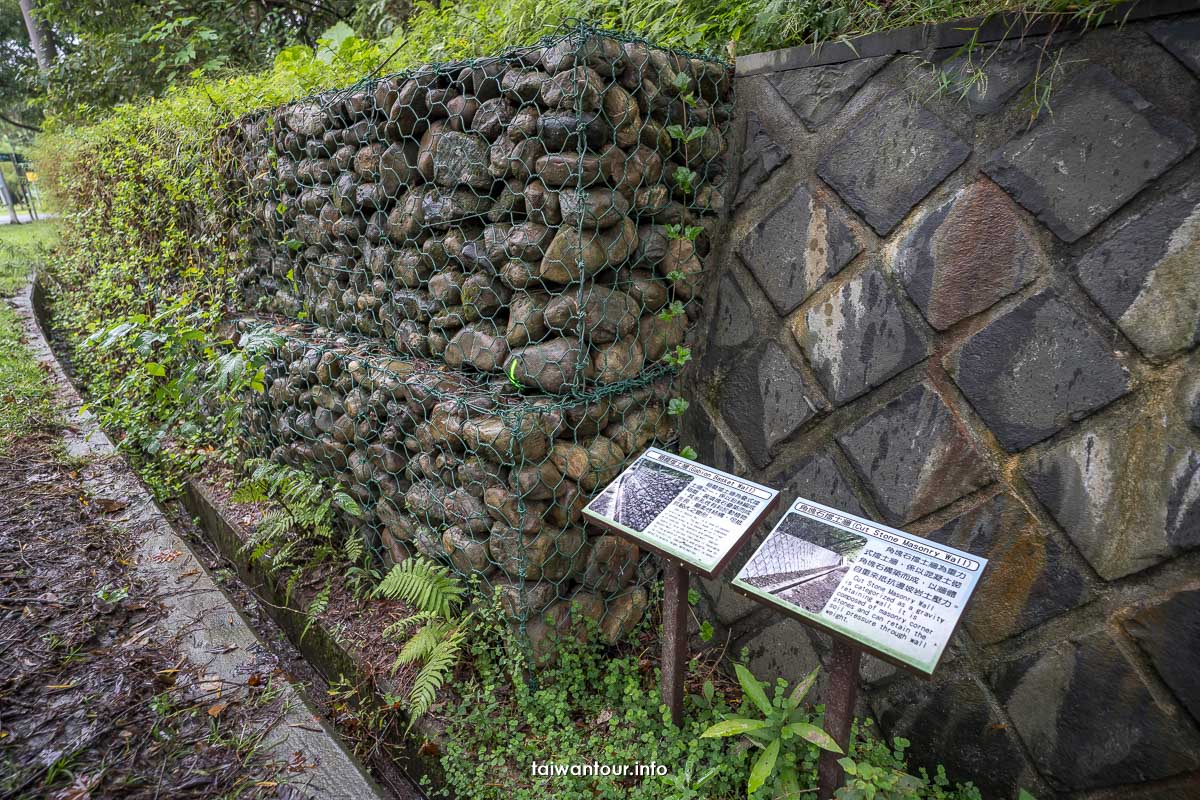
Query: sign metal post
[(675, 637), (841, 695), (696, 518)]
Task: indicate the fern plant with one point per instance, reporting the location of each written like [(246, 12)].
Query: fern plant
[(317, 607), (439, 631), (305, 509), (361, 573), (298, 532)]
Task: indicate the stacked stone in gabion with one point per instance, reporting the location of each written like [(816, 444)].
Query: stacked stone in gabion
[(500, 254), (467, 470), (541, 213)]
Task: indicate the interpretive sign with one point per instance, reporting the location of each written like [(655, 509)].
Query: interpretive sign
[(686, 511), (896, 595), (696, 517)]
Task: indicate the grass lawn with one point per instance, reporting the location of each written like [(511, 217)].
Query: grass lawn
[(21, 246), (25, 396)]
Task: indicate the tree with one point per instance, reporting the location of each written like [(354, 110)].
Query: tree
[(115, 51), (19, 81), (41, 40)]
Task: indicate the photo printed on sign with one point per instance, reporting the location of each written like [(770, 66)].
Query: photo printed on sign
[(679, 508), (896, 595)]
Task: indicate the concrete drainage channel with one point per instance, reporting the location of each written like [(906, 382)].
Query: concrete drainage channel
[(319, 646), (215, 633)]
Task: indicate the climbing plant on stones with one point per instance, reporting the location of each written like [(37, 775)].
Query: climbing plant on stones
[(489, 268)]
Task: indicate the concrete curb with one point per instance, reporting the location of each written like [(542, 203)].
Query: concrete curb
[(319, 646), (212, 633)]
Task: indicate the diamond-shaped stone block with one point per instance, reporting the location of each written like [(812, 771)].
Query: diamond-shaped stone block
[(1030, 578), (817, 93), (967, 255), (733, 323), (761, 156), (1169, 633), (986, 78), (766, 399), (782, 650), (1181, 37), (1102, 144), (1129, 498), (1034, 370), (890, 158), (818, 478), (914, 456), (698, 431), (951, 723), (1146, 274), (796, 248), (859, 337), (1189, 392), (1088, 719)]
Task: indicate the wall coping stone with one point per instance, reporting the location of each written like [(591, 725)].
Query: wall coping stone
[(955, 33)]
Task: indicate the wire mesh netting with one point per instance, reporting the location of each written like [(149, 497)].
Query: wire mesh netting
[(494, 263)]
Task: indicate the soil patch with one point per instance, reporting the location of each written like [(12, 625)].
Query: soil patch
[(93, 704)]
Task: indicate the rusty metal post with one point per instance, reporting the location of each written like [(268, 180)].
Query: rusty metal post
[(675, 638), (839, 713)]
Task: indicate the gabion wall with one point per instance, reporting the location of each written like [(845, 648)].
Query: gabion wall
[(492, 265)]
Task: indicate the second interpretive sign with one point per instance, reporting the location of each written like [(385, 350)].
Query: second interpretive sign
[(893, 594), (687, 511)]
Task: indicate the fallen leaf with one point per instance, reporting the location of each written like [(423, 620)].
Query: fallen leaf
[(211, 683), (166, 556), (62, 686), (110, 506), (298, 764), (216, 709), (267, 784)]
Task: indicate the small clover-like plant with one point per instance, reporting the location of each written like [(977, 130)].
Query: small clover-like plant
[(685, 179), (686, 135), (674, 309), (677, 406), (679, 357)]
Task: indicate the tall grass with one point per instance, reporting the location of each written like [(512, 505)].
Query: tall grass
[(461, 28)]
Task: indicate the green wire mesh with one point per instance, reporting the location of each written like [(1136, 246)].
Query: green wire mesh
[(492, 264)]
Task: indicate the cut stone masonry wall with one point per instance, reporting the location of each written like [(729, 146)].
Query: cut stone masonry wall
[(933, 312)]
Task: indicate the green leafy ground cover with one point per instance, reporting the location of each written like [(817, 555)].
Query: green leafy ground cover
[(601, 706)]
